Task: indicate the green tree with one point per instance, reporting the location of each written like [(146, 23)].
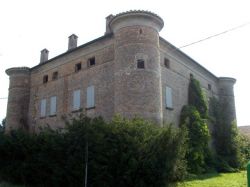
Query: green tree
[(226, 139), (245, 147)]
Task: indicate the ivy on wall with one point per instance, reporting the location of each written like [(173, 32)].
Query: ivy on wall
[(197, 98), (226, 139), (194, 119)]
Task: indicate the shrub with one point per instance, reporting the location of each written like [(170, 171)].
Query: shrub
[(165, 165), (32, 159), (245, 147), (120, 153)]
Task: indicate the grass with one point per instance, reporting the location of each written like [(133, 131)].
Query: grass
[(217, 180), (207, 180)]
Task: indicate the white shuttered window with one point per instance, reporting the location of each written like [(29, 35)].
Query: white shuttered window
[(169, 101), (43, 108), (53, 105), (76, 100), (90, 96)]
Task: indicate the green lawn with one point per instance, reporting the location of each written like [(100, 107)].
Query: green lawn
[(217, 180), (207, 180)]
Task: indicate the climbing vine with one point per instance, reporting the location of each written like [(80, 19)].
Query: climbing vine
[(226, 138), (194, 119), (197, 98)]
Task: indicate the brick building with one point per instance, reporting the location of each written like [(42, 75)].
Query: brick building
[(130, 71)]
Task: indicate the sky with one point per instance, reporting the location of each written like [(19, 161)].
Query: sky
[(28, 26)]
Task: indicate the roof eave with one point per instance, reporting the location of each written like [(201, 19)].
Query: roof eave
[(73, 50), (188, 57)]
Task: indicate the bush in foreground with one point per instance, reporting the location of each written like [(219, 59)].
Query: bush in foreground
[(119, 153)]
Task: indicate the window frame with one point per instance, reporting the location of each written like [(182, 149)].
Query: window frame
[(53, 106), (43, 105), (76, 102), (90, 103), (169, 98)]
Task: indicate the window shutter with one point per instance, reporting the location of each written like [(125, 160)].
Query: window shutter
[(43, 108), (169, 101), (53, 105), (90, 96), (76, 99)]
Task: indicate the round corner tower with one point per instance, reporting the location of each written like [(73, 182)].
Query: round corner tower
[(18, 100), (137, 71), (226, 96)]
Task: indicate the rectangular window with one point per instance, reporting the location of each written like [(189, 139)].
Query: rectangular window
[(90, 97), (53, 106), (78, 67), (76, 100), (191, 76), (140, 64), (209, 86), (55, 75), (91, 61), (166, 63), (43, 108), (45, 78), (169, 101)]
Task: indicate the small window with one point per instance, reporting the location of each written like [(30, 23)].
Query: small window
[(140, 64), (166, 63), (43, 108), (209, 86), (168, 99), (53, 106), (78, 67), (140, 31), (90, 97), (76, 100), (55, 75), (91, 61), (191, 76), (45, 78)]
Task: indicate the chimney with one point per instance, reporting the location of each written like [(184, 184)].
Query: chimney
[(108, 18), (44, 56), (72, 42)]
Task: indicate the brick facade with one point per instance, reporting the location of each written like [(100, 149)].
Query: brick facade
[(121, 86)]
